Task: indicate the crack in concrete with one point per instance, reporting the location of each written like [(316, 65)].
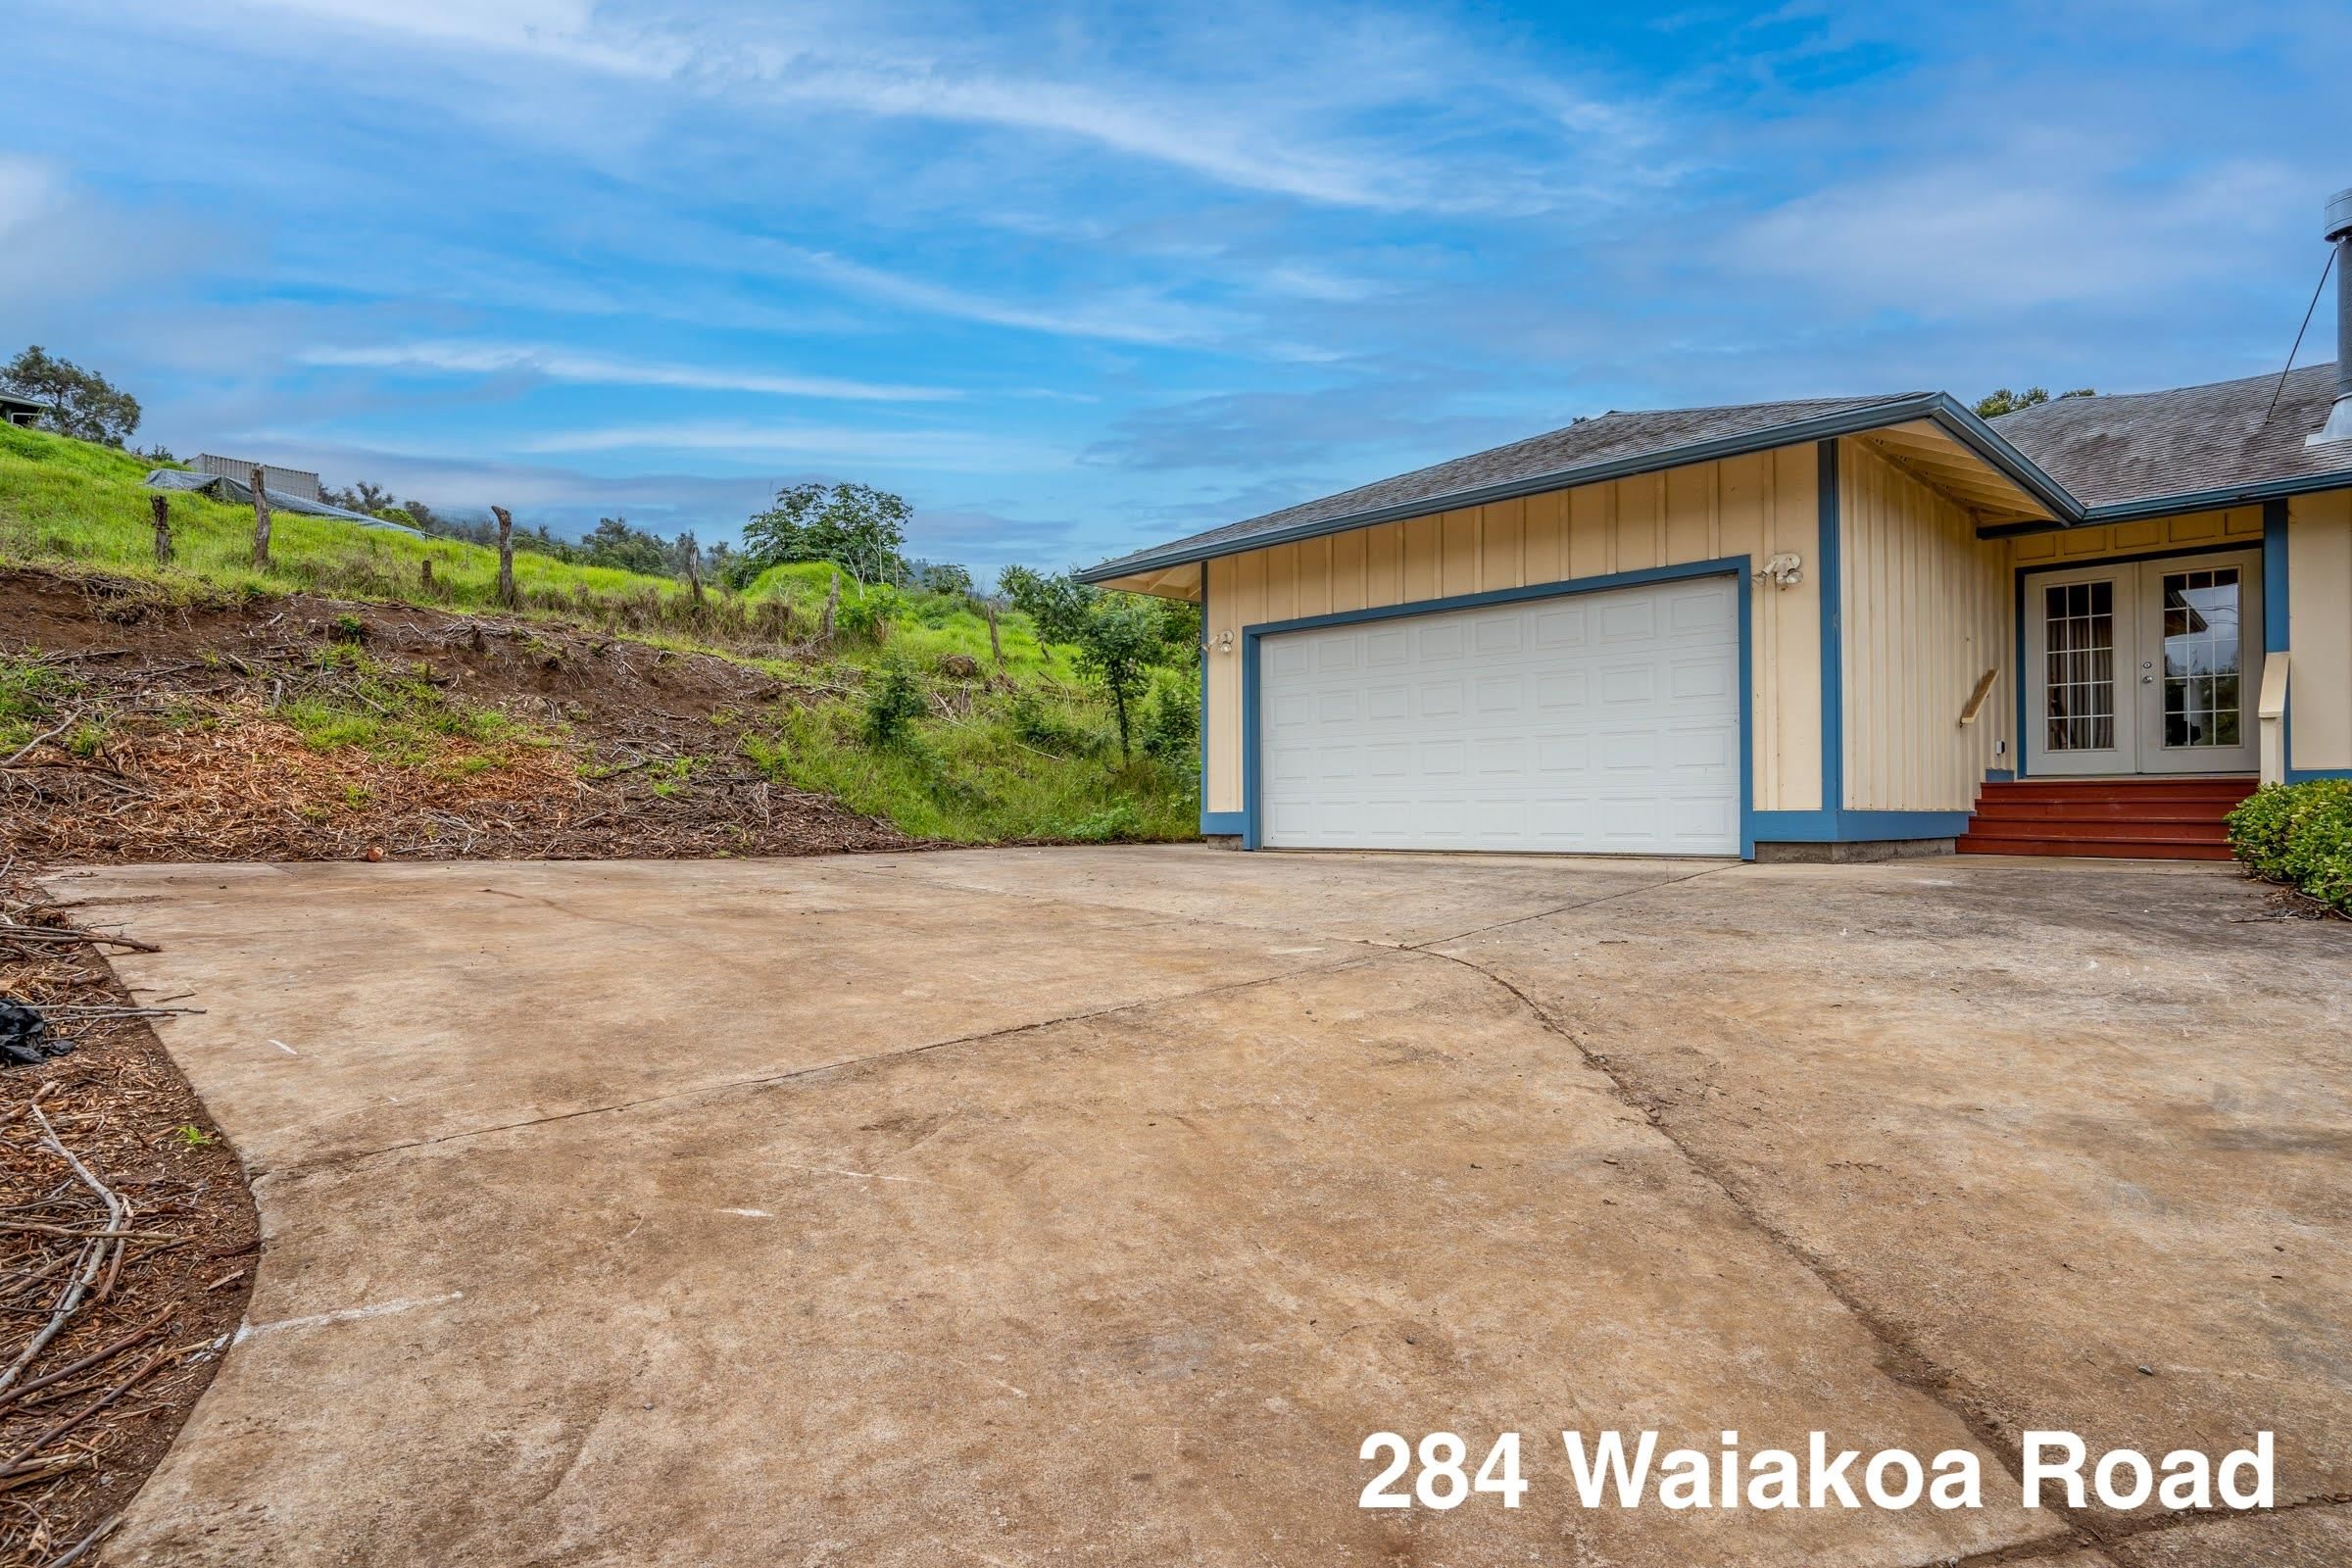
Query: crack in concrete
[(1904, 1362), (2045, 1550), (1900, 1360), (846, 1063)]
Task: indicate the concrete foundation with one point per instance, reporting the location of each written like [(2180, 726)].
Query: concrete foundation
[(1867, 852)]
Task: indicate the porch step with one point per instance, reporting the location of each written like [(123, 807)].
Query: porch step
[(2138, 818)]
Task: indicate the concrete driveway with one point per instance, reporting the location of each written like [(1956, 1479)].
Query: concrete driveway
[(1091, 1206)]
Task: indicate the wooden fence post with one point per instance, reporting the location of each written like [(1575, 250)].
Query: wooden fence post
[(996, 649), (261, 519), (424, 575), (506, 555), (824, 625), (694, 573), (161, 505)]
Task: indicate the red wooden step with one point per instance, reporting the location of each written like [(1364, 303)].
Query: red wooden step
[(1979, 844), (2168, 817), (2007, 810), (2101, 832)]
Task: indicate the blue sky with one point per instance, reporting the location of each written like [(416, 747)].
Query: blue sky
[(1074, 280)]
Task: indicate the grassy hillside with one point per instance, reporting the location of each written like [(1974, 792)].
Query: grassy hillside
[(1010, 750), (63, 500)]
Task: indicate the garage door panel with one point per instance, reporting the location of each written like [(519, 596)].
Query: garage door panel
[(1629, 685), (1559, 629), (1608, 724)]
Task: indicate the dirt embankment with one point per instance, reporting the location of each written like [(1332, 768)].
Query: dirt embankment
[(128, 1243), (311, 728)]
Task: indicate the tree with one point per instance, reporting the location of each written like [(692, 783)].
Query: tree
[(78, 403), (1116, 646), (364, 495), (854, 527), (2002, 400), (613, 543), (941, 576), (1057, 606)]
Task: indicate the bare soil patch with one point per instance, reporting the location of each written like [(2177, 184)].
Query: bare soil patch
[(177, 741)]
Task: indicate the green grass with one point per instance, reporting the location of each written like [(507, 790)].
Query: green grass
[(1034, 764), (29, 694), (63, 500), (976, 781), (393, 715)]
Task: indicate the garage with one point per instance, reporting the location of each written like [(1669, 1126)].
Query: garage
[(1595, 722)]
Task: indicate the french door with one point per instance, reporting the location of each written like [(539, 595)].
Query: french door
[(2144, 666)]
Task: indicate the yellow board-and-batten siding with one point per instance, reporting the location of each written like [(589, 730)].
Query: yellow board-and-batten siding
[(1927, 609), (1759, 506)]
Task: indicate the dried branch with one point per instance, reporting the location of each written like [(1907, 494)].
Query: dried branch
[(93, 1253)]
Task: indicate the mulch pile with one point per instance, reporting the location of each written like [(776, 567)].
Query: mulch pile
[(127, 1244), (192, 763)]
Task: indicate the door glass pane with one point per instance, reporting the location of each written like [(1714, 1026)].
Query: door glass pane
[(2201, 659), (2079, 665)]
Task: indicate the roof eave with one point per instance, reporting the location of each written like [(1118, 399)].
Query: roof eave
[(2181, 502), (1938, 406)]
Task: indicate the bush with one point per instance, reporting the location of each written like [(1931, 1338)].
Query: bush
[(895, 702), (2301, 835), (1048, 727), (867, 614), (1109, 825), (1171, 729)]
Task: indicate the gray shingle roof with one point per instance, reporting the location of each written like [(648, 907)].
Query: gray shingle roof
[(1611, 438), (2136, 447), (2077, 454)]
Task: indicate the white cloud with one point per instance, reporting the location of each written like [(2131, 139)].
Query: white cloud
[(61, 245), (1288, 103), (1233, 154), (563, 365), (1959, 238), (945, 450), (1135, 315)]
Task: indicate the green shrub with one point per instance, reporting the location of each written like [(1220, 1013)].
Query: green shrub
[(1171, 729), (1050, 728), (2301, 835), (867, 616), (1107, 826), (893, 702)]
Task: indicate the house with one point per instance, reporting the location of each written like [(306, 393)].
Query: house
[(299, 483), (1830, 628), (15, 409)]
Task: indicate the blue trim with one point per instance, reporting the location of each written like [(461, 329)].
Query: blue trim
[(2017, 620), (1224, 824), (2263, 548), (1999, 775), (2274, 576), (1253, 828), (1203, 719), (1829, 569), (1857, 827), (2303, 775), (2274, 604)]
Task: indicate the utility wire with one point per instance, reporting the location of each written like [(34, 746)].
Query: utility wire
[(2299, 331)]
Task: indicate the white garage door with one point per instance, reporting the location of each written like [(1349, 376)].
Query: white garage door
[(1603, 722)]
